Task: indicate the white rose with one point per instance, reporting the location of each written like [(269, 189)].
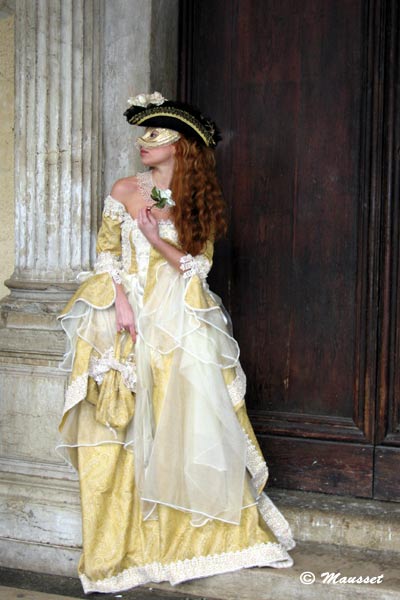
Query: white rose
[(167, 195), (156, 98), (139, 100), (146, 99)]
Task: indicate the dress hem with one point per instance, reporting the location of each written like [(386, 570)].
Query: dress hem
[(260, 555)]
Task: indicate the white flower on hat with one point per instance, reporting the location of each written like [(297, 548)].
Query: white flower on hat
[(146, 99), (156, 98)]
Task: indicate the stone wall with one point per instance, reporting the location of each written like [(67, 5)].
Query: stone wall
[(140, 54), (76, 63), (6, 149)]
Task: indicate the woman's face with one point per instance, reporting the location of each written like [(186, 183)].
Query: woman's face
[(157, 146)]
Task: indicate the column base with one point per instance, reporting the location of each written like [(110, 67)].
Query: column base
[(39, 497), (29, 326), (41, 522)]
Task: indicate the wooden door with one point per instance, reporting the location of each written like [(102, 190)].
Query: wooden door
[(305, 96)]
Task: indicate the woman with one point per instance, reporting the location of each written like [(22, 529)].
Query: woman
[(171, 474)]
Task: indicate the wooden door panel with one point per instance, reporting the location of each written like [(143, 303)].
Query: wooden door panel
[(387, 452), (386, 474), (297, 90), (319, 466)]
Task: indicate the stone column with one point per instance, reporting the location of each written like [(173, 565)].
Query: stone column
[(58, 167), (57, 137), (77, 61), (140, 55)]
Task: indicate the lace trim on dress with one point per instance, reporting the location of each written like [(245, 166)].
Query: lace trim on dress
[(256, 465), (167, 230), (197, 265), (131, 231), (98, 367), (259, 555), (237, 389), (146, 184), (126, 229), (276, 522), (76, 392), (113, 209), (142, 248), (109, 263)]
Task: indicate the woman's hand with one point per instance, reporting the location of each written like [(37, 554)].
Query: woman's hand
[(148, 225), (125, 317)]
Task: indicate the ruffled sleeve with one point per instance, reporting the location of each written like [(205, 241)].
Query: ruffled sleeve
[(108, 246), (97, 292), (199, 265), (97, 289)]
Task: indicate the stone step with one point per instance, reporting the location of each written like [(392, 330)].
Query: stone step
[(354, 524), (342, 520), (313, 560)]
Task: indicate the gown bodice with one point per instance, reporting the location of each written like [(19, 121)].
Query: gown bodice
[(135, 248)]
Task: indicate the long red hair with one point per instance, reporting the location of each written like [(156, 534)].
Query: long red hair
[(200, 210)]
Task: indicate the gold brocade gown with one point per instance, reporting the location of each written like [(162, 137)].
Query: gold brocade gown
[(171, 474)]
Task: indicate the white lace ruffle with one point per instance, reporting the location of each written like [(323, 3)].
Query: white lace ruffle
[(76, 392), (259, 555), (126, 230), (276, 522), (195, 265), (237, 389), (98, 367), (256, 465), (145, 183), (109, 263), (131, 234), (114, 209)]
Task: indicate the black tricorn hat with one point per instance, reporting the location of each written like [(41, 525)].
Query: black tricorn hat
[(171, 114)]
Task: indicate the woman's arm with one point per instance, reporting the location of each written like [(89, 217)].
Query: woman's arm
[(109, 260), (124, 314), (185, 263)]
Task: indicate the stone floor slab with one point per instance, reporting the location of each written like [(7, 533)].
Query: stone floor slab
[(317, 559), (249, 584), (9, 593)]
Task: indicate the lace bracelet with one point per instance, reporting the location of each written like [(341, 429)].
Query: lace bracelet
[(198, 265), (109, 263)]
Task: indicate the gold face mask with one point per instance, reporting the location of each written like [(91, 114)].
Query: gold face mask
[(157, 136)]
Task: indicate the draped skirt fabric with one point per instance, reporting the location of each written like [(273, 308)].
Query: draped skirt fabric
[(171, 474)]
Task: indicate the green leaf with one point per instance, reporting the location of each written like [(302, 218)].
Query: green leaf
[(155, 194)]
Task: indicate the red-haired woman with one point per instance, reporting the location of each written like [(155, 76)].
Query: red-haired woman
[(171, 474)]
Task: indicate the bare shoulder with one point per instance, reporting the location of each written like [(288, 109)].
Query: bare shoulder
[(124, 190)]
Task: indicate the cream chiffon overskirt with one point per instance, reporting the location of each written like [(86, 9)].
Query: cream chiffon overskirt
[(174, 438)]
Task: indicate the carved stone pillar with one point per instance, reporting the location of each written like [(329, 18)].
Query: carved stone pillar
[(57, 135), (76, 63), (58, 198)]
